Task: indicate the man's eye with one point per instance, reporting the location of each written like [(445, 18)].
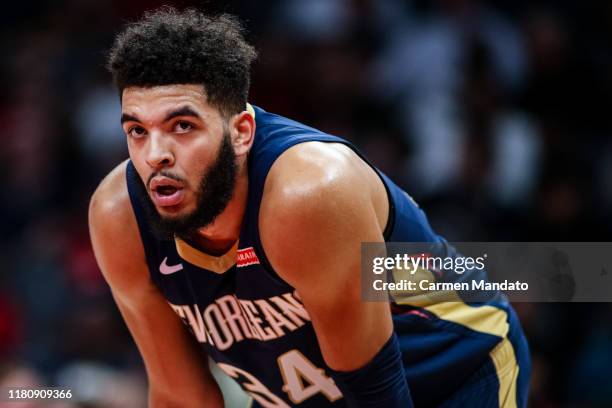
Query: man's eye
[(182, 126), (136, 131)]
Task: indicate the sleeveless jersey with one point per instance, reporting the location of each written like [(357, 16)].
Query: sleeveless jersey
[(253, 324)]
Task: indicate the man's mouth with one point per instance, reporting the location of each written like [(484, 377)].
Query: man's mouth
[(166, 192)]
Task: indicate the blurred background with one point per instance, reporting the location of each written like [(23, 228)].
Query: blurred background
[(493, 115)]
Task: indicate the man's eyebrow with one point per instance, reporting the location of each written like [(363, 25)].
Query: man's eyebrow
[(184, 111), (126, 117)]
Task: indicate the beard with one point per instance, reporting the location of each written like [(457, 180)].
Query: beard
[(215, 190)]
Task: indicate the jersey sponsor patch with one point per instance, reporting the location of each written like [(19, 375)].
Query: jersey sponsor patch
[(246, 257)]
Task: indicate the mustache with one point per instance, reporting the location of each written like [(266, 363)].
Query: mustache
[(165, 173)]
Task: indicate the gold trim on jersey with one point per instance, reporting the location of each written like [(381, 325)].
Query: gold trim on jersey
[(216, 264), (448, 306), (487, 319), (484, 319), (507, 370)]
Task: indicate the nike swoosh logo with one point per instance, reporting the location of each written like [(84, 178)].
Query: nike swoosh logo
[(166, 269)]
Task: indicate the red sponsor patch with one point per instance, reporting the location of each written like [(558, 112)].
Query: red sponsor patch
[(246, 257)]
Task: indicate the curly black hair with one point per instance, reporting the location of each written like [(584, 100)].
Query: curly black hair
[(185, 47)]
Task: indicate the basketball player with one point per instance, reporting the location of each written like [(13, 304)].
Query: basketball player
[(246, 227)]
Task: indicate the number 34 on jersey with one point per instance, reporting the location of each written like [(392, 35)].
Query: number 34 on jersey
[(301, 379)]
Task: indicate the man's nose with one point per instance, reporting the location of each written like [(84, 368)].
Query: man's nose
[(160, 153)]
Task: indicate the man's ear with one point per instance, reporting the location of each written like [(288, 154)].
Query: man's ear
[(242, 129)]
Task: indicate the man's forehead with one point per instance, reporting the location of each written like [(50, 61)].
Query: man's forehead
[(151, 94), (163, 98)]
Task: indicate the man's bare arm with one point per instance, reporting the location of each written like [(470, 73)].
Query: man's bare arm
[(320, 203), (177, 371)]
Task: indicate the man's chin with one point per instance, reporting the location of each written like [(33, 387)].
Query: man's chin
[(173, 215), (169, 226)]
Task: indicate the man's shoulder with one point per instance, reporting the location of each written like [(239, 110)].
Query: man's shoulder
[(111, 217), (312, 185), (310, 168), (320, 186), (111, 199), (319, 201), (321, 176)]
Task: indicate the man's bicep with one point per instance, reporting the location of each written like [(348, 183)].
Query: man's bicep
[(315, 246)]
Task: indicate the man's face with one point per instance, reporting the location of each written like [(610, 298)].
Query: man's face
[(181, 148)]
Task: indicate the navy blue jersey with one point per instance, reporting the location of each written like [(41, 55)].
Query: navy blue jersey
[(253, 324)]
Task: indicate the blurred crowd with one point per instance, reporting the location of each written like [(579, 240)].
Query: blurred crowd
[(493, 115)]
